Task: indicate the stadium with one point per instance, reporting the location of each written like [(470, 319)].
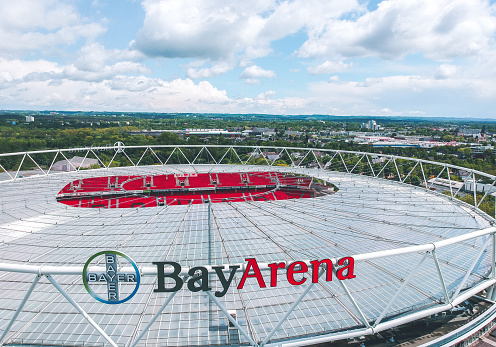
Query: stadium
[(296, 248)]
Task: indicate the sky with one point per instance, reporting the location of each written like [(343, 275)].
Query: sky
[(337, 57)]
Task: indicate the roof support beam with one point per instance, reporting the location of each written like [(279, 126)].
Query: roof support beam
[(400, 290), (409, 173), (353, 301), (441, 277), (346, 168), (371, 168), (382, 169), (330, 160), (295, 304), (19, 309), (231, 319), (358, 162), (154, 318), (19, 168), (469, 271), (80, 310), (139, 161)]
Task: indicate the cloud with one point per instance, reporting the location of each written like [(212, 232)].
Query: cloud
[(194, 28), (265, 95), (16, 69), (221, 29), (121, 68), (25, 15), (204, 72), (95, 63), (254, 72), (43, 85), (29, 25), (133, 83), (329, 67), (445, 71), (440, 30), (119, 93)]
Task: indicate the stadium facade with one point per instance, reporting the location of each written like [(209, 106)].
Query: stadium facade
[(380, 250)]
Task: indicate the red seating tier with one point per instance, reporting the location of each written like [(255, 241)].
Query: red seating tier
[(114, 189)]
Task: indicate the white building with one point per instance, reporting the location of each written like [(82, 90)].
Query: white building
[(372, 125), (74, 163)]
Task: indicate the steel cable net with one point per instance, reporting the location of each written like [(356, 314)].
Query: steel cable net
[(366, 214)]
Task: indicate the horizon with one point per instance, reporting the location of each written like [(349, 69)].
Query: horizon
[(282, 117)]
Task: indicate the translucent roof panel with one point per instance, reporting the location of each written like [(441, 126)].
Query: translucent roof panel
[(365, 215)]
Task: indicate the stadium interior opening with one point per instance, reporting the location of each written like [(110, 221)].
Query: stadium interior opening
[(192, 188)]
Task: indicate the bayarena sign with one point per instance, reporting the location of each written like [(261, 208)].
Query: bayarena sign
[(197, 278)]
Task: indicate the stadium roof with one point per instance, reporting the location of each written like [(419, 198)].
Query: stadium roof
[(369, 218)]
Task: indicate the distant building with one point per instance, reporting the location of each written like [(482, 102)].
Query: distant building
[(372, 125), (29, 119), (187, 132), (477, 133), (482, 149), (293, 133), (481, 187), (74, 163), (271, 156), (263, 132), (439, 183), (395, 144)]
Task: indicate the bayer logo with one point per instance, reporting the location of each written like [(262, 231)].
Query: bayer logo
[(111, 277)]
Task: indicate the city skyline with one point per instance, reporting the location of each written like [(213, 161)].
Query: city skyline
[(375, 58)]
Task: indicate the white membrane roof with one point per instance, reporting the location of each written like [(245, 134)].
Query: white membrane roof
[(366, 215)]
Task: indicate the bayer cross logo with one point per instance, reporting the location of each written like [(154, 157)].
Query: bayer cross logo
[(112, 278)]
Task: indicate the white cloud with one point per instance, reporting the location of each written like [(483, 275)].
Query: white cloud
[(329, 67), (454, 96), (34, 88), (133, 83), (256, 71), (120, 93), (17, 69), (194, 28), (24, 15), (121, 68), (441, 30), (265, 95), (95, 63), (445, 71), (207, 72), (29, 25), (220, 29)]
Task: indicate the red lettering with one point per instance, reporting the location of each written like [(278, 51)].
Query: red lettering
[(292, 271), (252, 263), (315, 269), (349, 268), (273, 272)]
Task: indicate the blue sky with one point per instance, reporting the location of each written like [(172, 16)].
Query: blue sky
[(340, 57)]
